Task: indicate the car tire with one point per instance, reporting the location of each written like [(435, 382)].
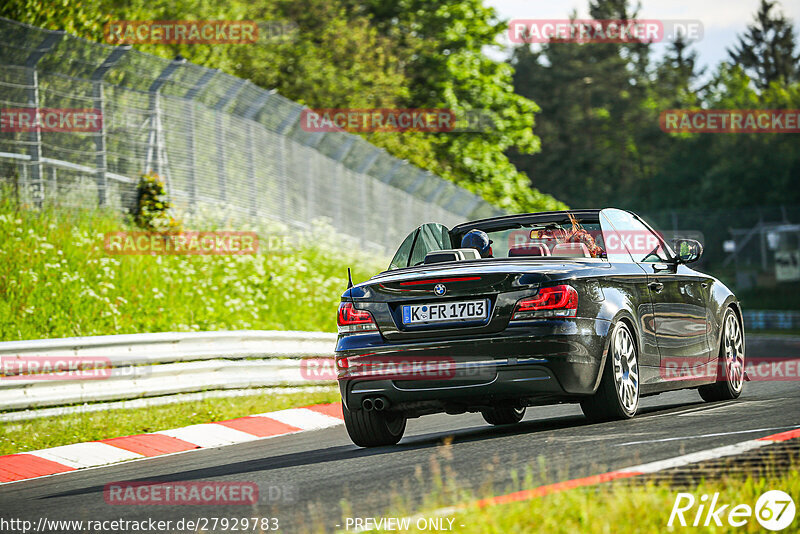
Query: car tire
[(730, 367), (617, 397), (503, 414), (374, 428)]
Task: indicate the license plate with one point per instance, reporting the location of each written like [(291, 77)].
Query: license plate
[(450, 311)]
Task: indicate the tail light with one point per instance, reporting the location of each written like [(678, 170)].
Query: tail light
[(353, 321), (556, 301)]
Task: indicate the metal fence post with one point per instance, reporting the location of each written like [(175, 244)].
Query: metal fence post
[(37, 180), (434, 196), (477, 201), (251, 112), (387, 178), (98, 97), (282, 130), (223, 102), (156, 144), (189, 106), (422, 177), (368, 162), (340, 155)]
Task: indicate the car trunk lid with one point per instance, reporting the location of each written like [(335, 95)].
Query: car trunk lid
[(497, 284)]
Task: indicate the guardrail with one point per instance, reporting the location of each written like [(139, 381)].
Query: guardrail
[(146, 365)]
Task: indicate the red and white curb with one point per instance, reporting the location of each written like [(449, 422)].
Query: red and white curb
[(33, 464)]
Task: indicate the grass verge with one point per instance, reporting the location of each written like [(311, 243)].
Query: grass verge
[(618, 507), (791, 332), (62, 430), (56, 279)]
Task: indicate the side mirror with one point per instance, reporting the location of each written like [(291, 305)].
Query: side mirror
[(688, 250)]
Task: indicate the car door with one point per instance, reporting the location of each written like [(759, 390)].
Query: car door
[(417, 244), (630, 280), (679, 294)]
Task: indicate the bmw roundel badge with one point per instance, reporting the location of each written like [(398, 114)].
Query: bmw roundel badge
[(439, 290)]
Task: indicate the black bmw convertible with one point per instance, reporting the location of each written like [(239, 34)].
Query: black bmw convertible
[(586, 306)]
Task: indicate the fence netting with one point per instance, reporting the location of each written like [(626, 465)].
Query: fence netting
[(215, 138)]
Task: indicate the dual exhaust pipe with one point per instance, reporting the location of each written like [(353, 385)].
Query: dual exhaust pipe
[(375, 403)]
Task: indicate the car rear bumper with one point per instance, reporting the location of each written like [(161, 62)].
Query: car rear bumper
[(543, 359)]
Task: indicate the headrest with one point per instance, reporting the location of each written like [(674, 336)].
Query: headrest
[(455, 254), (571, 250), (529, 249)]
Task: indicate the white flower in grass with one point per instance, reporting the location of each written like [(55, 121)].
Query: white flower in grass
[(89, 292)]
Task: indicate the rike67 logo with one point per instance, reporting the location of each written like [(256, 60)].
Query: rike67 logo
[(774, 510)]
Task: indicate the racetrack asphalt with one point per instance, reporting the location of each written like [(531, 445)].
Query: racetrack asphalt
[(314, 471)]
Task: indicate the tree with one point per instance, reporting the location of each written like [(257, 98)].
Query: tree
[(447, 68), (766, 50), (593, 99), (361, 54), (676, 75)]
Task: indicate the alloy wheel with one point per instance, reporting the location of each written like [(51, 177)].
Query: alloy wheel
[(734, 353), (626, 370)]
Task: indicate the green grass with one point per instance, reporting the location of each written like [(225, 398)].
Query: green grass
[(783, 332), (781, 297), (57, 281), (62, 430), (621, 508), (607, 508)]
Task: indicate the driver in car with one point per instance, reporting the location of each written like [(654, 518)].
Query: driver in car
[(479, 240)]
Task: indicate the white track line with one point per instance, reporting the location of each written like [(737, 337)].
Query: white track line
[(700, 456), (703, 407), (660, 440), (642, 469)]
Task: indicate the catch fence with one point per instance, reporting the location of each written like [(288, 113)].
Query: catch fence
[(215, 138)]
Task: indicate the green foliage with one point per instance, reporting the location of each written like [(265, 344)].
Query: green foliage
[(362, 54), (447, 69), (605, 508), (57, 281), (77, 17), (599, 124), (766, 50), (151, 210)]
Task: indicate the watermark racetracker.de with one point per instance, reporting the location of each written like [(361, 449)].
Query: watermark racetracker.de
[(215, 523), (130, 32), (180, 493), (730, 121), (35, 367), (385, 368), (603, 31), (50, 120), (396, 368), (425, 120), (760, 369), (181, 243), (38, 367), (636, 242)]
